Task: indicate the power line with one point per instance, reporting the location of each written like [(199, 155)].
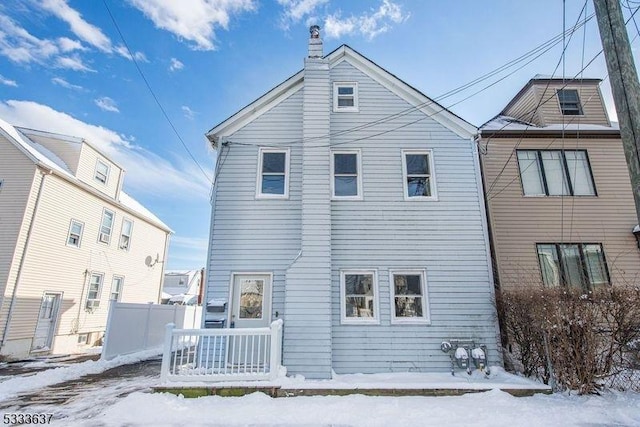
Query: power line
[(146, 82), (537, 51)]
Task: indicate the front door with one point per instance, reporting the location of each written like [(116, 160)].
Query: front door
[(47, 319), (250, 308)]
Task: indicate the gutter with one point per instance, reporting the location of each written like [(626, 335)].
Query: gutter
[(22, 258), (164, 258)]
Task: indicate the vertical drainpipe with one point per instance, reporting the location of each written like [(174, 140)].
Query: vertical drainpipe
[(164, 262), (22, 258)]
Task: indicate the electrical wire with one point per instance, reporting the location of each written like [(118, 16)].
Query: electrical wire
[(146, 82)]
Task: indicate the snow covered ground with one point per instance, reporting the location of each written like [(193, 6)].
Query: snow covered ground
[(128, 401)]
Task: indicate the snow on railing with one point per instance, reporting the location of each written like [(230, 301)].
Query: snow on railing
[(209, 355)]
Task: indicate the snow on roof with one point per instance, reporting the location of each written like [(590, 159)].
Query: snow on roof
[(135, 206), (507, 123), (50, 160)]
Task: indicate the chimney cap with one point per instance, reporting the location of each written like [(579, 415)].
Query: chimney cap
[(314, 30)]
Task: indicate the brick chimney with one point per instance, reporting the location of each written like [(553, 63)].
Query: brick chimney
[(315, 42)]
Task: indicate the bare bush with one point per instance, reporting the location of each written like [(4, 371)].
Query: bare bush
[(575, 340)]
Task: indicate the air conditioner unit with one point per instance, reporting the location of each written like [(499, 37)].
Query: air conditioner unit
[(91, 305), (104, 238)]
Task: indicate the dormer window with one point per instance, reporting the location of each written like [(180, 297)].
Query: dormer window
[(102, 172), (345, 97), (569, 102)]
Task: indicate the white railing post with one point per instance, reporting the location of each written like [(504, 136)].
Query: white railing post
[(274, 358), (166, 353)]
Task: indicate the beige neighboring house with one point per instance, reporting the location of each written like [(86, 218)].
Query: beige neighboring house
[(70, 242), (558, 192)]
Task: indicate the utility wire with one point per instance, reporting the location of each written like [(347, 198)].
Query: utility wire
[(146, 82)]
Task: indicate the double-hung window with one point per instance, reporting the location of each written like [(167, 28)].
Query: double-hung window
[(102, 172), (409, 296), (345, 96), (556, 173), (580, 265), (75, 233), (95, 289), (569, 102), (273, 173), (106, 227), (418, 175), (346, 181), (359, 290), (125, 235), (116, 288)]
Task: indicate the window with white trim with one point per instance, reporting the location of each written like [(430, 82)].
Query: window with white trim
[(569, 101), (409, 296), (116, 288), (95, 289), (75, 233), (102, 172), (359, 290), (580, 265), (555, 173), (419, 179), (106, 226), (125, 234), (273, 173), (345, 96), (346, 176)]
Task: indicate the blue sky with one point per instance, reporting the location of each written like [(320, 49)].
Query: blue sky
[(64, 67)]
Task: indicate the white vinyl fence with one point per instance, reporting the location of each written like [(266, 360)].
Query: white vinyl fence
[(137, 327), (229, 354)]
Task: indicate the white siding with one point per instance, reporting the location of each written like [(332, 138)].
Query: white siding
[(87, 169)]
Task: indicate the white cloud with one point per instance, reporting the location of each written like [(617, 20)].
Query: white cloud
[(175, 65), (68, 45), (188, 112), (73, 62), (19, 46), (65, 84), (107, 104), (369, 25), (195, 21), (124, 52), (7, 82), (81, 28), (147, 173), (195, 243), (295, 10)]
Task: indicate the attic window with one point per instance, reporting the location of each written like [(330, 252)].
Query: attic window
[(345, 97), (102, 172), (569, 102)]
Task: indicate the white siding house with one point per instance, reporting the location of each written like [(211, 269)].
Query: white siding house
[(71, 241), (350, 205)]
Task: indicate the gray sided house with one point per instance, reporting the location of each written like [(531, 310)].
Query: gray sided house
[(350, 205)]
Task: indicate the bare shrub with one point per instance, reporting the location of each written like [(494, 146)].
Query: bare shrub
[(582, 341)]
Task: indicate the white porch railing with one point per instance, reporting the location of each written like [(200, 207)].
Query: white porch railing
[(208, 355)]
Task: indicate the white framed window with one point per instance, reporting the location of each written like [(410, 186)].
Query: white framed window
[(569, 101), (555, 173), (345, 96), (74, 237), (106, 226), (410, 303), (102, 172), (346, 174), (116, 288), (95, 289), (125, 234), (418, 173), (359, 296), (273, 173)]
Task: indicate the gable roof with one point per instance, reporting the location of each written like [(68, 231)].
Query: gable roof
[(47, 159), (294, 83)]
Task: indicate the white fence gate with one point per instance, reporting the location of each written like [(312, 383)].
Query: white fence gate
[(137, 327)]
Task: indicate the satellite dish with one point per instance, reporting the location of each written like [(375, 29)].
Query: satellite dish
[(148, 261)]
